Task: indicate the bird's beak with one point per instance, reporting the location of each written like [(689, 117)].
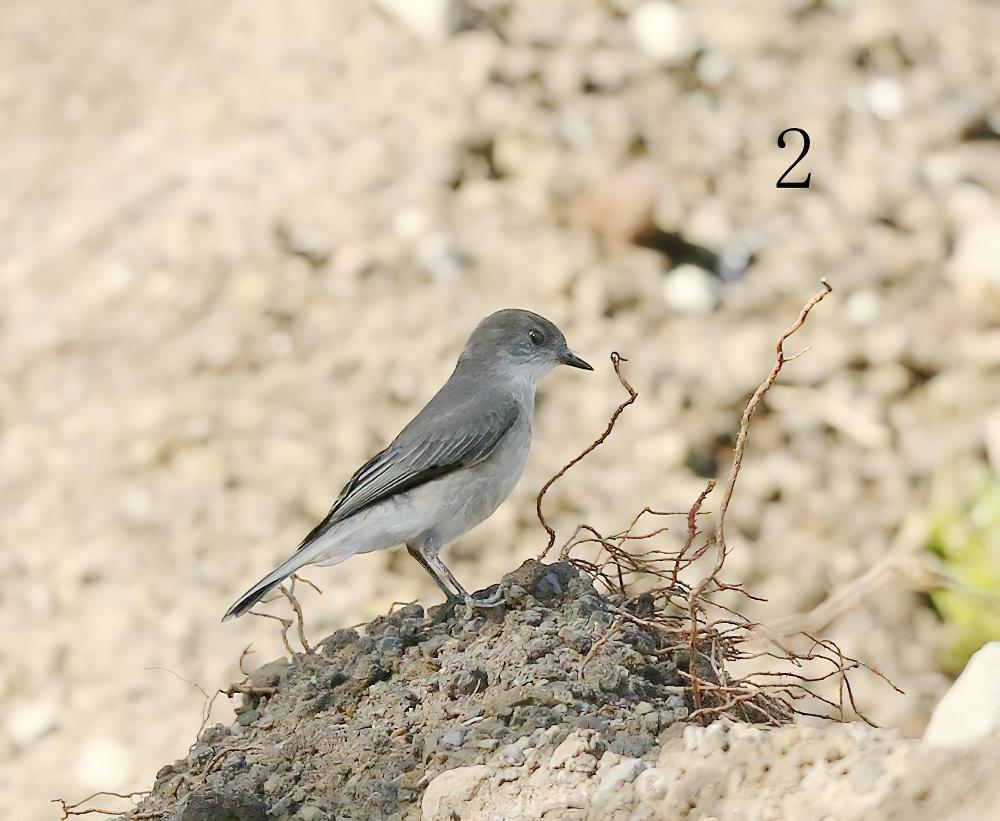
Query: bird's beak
[(571, 359)]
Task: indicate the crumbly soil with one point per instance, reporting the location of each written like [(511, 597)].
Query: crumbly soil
[(359, 728)]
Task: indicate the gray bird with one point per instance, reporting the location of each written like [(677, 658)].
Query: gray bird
[(451, 467)]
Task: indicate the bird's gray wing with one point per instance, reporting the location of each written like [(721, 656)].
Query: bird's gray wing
[(461, 436)]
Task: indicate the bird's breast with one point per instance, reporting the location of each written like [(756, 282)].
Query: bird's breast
[(463, 499), (510, 456)]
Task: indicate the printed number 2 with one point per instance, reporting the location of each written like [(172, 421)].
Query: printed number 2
[(805, 150)]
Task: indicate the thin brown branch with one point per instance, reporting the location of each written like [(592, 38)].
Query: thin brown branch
[(206, 709), (220, 756), (616, 360), (692, 528), (299, 618), (77, 809), (734, 471), (178, 676), (248, 690), (286, 625), (304, 580), (611, 631), (741, 438), (246, 652)]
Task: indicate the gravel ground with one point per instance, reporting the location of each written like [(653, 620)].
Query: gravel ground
[(243, 243)]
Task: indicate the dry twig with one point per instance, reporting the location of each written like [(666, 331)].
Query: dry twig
[(248, 690), (76, 809), (299, 618), (611, 631), (246, 652), (616, 360), (734, 471), (741, 438), (206, 710), (286, 624)]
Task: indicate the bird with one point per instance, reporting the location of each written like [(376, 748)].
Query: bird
[(450, 468)]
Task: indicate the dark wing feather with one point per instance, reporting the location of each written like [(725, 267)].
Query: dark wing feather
[(461, 435)]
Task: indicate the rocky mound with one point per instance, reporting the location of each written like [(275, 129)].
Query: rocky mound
[(358, 729)]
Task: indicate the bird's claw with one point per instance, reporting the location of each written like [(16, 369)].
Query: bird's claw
[(446, 609), (494, 600)]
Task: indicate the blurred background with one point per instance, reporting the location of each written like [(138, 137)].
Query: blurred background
[(244, 241)]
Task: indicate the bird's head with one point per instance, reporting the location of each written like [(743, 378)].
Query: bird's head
[(519, 340)]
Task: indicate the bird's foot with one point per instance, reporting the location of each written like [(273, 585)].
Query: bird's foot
[(444, 611), (493, 600)]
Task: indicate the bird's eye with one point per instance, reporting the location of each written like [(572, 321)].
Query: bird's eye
[(536, 337)]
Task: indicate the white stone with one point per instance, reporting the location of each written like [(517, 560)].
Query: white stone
[(29, 721), (714, 69), (970, 710), (707, 740), (448, 791), (863, 307), (438, 255), (975, 263), (624, 772), (511, 755), (652, 784), (689, 289), (432, 20), (709, 224), (577, 752), (664, 32), (410, 223), (886, 98), (102, 761)]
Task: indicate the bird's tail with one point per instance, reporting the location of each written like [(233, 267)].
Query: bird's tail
[(264, 586)]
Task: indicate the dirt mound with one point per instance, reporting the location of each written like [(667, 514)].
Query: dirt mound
[(359, 728)]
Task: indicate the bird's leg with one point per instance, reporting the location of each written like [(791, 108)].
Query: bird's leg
[(422, 561), (432, 560), (451, 599)]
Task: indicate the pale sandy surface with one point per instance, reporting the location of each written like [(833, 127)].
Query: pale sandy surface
[(731, 773), (182, 391)]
